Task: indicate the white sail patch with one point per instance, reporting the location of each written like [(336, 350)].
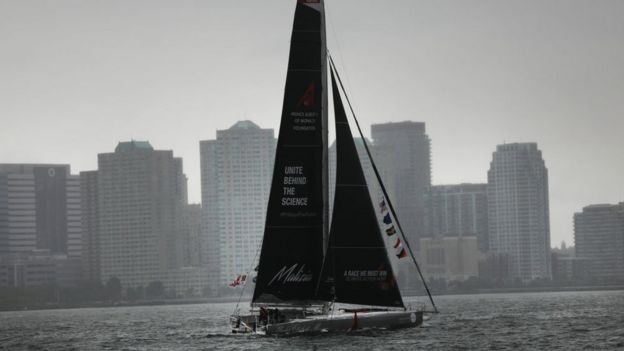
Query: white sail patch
[(304, 121), (365, 276), (293, 182)]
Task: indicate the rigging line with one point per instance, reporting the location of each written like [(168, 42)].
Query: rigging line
[(325, 196), (383, 188), (240, 296), (327, 215), (338, 49)]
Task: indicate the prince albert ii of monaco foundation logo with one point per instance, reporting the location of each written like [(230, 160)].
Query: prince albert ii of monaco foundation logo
[(307, 99)]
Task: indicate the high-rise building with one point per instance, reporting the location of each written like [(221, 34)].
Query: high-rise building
[(449, 258), (518, 210), (90, 235), (567, 267), (404, 158), (40, 218), (39, 268), (458, 227), (237, 169), (599, 240), (459, 211), (141, 196), (192, 241)]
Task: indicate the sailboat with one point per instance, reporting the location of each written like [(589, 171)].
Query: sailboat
[(310, 262)]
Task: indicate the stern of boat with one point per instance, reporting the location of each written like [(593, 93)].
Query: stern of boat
[(244, 324)]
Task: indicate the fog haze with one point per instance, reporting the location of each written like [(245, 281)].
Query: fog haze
[(79, 76)]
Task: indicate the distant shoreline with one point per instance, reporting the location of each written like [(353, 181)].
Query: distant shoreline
[(102, 304), (530, 290), (245, 299)]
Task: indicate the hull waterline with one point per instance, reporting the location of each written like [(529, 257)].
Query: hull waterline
[(342, 322)]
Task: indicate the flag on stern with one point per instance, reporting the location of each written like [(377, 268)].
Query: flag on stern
[(238, 281)]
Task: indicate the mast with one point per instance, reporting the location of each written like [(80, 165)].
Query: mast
[(325, 115)]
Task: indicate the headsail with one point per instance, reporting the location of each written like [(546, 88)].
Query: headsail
[(383, 188), (292, 248), (357, 265)]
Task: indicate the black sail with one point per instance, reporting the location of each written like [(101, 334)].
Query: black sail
[(292, 248), (357, 267)]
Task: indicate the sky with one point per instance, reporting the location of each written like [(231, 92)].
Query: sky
[(76, 77)]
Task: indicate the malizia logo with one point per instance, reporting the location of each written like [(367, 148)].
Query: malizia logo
[(292, 275)]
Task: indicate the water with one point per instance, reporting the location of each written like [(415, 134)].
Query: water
[(528, 321)]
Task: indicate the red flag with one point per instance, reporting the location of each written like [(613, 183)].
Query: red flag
[(397, 243), (402, 254), (235, 282)]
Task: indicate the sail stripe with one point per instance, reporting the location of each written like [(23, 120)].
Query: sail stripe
[(292, 226), (300, 146), (358, 247)]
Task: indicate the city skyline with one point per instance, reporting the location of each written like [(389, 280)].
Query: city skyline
[(77, 82)]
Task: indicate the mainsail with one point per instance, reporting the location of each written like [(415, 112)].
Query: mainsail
[(356, 269), (293, 244)]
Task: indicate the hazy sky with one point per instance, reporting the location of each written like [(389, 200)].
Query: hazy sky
[(76, 77)]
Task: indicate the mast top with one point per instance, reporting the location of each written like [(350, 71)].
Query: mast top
[(315, 4)]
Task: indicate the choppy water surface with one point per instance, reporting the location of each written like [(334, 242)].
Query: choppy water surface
[(530, 321)]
